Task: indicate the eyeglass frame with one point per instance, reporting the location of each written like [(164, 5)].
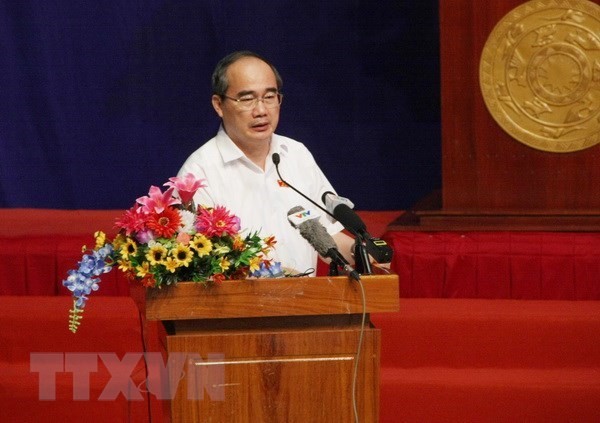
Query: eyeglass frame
[(255, 100)]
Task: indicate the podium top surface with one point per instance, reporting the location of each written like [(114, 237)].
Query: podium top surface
[(271, 297)]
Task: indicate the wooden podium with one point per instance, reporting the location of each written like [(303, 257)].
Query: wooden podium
[(273, 350)]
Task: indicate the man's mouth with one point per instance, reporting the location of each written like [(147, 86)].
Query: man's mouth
[(260, 126)]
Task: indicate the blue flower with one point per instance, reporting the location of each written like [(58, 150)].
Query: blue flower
[(83, 281), (273, 271)]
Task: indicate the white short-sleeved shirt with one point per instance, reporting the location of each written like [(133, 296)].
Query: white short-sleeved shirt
[(258, 198)]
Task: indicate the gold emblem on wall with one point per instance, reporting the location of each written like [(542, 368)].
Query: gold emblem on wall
[(540, 74)]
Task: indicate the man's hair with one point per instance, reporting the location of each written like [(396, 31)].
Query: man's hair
[(220, 84)]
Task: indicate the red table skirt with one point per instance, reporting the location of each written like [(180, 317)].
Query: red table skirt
[(517, 265), (39, 246)]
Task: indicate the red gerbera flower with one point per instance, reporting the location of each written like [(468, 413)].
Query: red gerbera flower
[(217, 221), (133, 220), (164, 224)]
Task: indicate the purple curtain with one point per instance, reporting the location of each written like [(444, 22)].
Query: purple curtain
[(102, 99)]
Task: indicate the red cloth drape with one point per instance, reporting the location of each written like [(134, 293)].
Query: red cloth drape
[(39, 246), (517, 265)]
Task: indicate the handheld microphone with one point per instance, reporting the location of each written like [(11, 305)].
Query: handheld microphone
[(351, 221), (342, 212), (317, 236), (331, 200)]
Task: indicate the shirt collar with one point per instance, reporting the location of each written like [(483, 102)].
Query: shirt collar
[(231, 152), (279, 145)]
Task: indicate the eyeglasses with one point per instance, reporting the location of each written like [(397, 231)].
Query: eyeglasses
[(249, 102)]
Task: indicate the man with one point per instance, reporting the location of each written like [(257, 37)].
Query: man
[(237, 162)]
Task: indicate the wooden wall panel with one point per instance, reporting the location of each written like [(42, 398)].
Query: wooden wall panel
[(484, 168)]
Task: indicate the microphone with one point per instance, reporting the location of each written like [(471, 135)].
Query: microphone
[(329, 212), (317, 236), (351, 221), (341, 210), (331, 200), (276, 159)]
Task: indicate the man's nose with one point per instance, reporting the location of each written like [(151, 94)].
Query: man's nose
[(259, 108)]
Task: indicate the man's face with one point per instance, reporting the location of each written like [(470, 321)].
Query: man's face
[(248, 76)]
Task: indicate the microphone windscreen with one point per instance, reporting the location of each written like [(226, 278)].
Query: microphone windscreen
[(307, 223), (276, 158), (317, 236)]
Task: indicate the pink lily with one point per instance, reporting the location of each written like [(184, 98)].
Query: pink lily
[(156, 201), (186, 186)]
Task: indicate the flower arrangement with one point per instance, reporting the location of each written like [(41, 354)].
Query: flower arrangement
[(164, 239)]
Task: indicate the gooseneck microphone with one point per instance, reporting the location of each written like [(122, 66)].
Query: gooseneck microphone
[(276, 160), (317, 236)]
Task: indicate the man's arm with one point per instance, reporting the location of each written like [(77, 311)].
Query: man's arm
[(345, 244)]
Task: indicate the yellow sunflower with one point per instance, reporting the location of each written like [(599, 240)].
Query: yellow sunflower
[(119, 240), (182, 255), (201, 244), (129, 248), (156, 254)]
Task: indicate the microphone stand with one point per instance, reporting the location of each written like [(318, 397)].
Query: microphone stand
[(361, 257), (333, 269)]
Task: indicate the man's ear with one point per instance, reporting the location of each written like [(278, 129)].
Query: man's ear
[(216, 103)]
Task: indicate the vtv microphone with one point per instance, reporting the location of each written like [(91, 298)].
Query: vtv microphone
[(310, 228)]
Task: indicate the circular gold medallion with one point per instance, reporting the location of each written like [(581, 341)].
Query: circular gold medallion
[(540, 74)]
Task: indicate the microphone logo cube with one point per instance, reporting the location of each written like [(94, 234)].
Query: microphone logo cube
[(297, 218)]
